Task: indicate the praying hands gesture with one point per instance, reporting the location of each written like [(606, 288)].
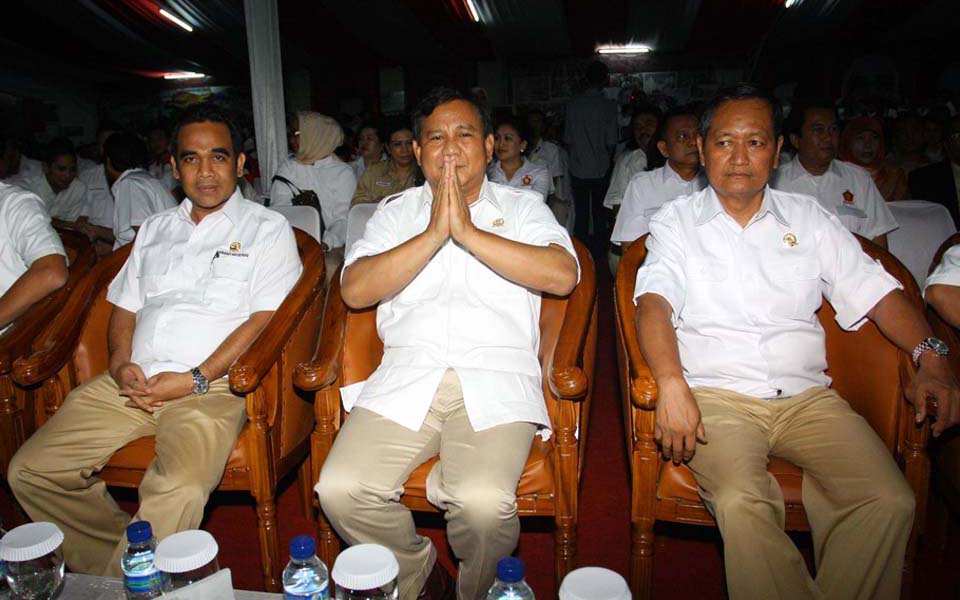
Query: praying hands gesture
[(450, 213)]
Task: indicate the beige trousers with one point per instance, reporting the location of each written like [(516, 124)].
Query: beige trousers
[(475, 482), (53, 474), (858, 503)]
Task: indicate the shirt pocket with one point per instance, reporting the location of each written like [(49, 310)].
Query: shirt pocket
[(707, 293), (155, 272), (795, 283), (229, 283)]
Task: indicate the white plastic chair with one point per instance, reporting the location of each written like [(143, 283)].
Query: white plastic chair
[(923, 227), (356, 222), (305, 218)]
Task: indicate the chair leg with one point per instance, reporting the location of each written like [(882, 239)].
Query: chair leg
[(565, 547), (641, 560), (305, 484), (269, 542), (328, 545)]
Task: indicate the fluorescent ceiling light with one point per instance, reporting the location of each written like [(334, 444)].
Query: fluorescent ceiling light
[(184, 75), (178, 20), (474, 14), (791, 3), (627, 49)]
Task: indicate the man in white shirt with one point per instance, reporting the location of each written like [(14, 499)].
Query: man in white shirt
[(942, 289), (62, 193), (99, 206), (158, 145), (591, 132), (844, 189), (457, 267), (726, 301), (136, 193), (32, 261), (556, 160), (202, 280), (14, 166), (650, 190)]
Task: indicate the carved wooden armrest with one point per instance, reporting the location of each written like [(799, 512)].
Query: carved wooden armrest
[(567, 379), (253, 365), (322, 371)]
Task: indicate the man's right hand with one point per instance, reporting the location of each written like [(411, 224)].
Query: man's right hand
[(132, 383), (678, 425), (439, 227)]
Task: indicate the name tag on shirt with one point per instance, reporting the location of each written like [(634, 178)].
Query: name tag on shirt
[(381, 183), (850, 211)]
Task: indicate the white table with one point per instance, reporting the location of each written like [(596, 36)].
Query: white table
[(89, 587)]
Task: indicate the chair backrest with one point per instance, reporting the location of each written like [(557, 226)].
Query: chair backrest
[(304, 218), (865, 367), (923, 227), (356, 222)]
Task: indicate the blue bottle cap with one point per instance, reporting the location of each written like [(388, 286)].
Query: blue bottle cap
[(302, 547), (510, 569), (140, 531)]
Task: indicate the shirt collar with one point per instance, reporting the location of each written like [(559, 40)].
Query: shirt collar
[(486, 193), (231, 209), (712, 207), (796, 169), (123, 176)]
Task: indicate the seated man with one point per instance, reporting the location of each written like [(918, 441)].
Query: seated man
[(844, 189), (158, 145), (136, 193), (649, 190), (458, 266), (727, 302), (58, 186), (940, 182), (32, 261), (201, 282), (99, 206), (942, 290), (14, 166)]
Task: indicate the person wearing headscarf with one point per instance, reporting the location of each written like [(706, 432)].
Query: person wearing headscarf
[(862, 144), (315, 167)]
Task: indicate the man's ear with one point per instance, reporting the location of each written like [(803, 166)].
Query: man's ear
[(776, 158), (488, 144), (416, 152), (241, 160), (173, 166), (700, 150), (662, 147), (794, 140)]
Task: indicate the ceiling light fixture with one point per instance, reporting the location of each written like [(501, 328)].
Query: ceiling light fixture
[(626, 49), (791, 3), (472, 8), (175, 19), (184, 75)]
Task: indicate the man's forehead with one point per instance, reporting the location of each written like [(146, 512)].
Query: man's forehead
[(204, 136), (739, 115), (456, 113)]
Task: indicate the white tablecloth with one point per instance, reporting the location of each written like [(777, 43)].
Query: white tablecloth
[(88, 587), (923, 227)]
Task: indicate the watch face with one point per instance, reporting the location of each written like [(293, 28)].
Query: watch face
[(938, 346)]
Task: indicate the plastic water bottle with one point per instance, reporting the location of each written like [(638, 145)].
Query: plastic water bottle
[(305, 577), (34, 565), (4, 588), (510, 584), (141, 578)]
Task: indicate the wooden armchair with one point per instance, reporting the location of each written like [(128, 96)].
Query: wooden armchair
[(350, 350), (18, 419), (867, 370), (275, 439)]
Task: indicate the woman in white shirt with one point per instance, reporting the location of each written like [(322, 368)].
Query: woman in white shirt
[(511, 167)]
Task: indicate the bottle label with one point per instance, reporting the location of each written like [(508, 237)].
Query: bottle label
[(322, 594), (142, 576)]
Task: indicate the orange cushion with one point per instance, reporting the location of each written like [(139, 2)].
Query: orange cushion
[(677, 482)]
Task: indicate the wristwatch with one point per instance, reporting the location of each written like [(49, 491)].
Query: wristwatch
[(931, 344), (200, 384)]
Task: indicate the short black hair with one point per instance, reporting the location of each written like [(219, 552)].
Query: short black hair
[(391, 127), (654, 158), (442, 95), (521, 127), (206, 113), (598, 73), (741, 91), (58, 147), (125, 151), (645, 108), (158, 126), (376, 127), (798, 114)]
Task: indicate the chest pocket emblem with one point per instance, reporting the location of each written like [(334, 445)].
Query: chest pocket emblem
[(848, 197), (498, 222), (526, 180), (790, 240), (235, 247)]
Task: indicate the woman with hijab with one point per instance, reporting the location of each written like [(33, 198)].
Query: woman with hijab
[(862, 144), (315, 167), (511, 167), (391, 176)]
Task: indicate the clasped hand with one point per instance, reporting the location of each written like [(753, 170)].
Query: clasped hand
[(148, 394), (934, 392), (450, 213)]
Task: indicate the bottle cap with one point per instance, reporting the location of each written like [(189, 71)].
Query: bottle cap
[(30, 541), (510, 569), (139, 531), (185, 551), (302, 547), (594, 583), (365, 567)]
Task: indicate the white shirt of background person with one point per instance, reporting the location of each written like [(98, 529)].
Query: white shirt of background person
[(628, 165), (948, 271), (25, 234), (191, 285), (334, 183), (530, 176), (66, 205), (845, 190), (646, 193), (98, 206), (744, 299), (137, 195), (164, 174)]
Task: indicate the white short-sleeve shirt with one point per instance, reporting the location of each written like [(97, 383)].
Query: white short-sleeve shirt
[(191, 285), (163, 172), (645, 194), (530, 176), (99, 205), (548, 154), (66, 205), (458, 313), (334, 183), (28, 168), (137, 195), (845, 190), (745, 298), (948, 271), (627, 166)]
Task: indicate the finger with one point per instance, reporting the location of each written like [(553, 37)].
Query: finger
[(920, 404), (689, 446), (132, 392), (657, 434), (141, 404), (701, 433), (677, 448), (666, 444)]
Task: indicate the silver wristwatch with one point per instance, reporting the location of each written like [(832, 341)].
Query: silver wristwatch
[(200, 384), (931, 344)]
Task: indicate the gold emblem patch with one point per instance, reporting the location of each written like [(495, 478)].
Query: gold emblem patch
[(790, 240), (498, 222), (235, 247)]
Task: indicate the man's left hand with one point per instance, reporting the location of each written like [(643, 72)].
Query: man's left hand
[(461, 225), (936, 384), (167, 386)]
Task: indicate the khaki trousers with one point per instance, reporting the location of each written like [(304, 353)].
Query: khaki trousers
[(53, 474), (475, 482), (858, 503)]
